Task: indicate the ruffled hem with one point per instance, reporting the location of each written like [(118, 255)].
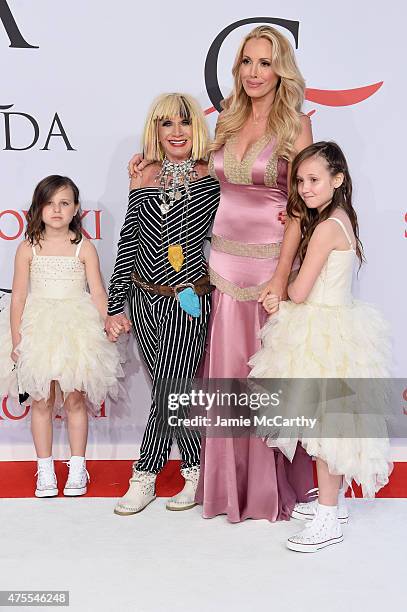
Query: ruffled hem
[(63, 341), (304, 340), (362, 460), (307, 341)]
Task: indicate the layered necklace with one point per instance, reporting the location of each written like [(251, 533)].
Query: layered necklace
[(171, 179)]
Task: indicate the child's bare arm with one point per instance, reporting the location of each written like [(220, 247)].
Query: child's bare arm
[(19, 291), (323, 241), (97, 290)]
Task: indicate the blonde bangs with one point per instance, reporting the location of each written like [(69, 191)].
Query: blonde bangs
[(172, 105)]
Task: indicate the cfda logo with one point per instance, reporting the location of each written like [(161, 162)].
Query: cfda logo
[(324, 97), (27, 125), (17, 40)]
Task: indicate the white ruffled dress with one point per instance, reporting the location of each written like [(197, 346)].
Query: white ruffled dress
[(62, 337), (331, 335)]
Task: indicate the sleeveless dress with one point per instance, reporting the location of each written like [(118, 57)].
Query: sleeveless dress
[(242, 477), (62, 337), (331, 335)]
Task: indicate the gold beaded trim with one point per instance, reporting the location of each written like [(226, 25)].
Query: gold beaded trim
[(211, 166), (240, 172), (242, 294), (258, 251), (271, 172)]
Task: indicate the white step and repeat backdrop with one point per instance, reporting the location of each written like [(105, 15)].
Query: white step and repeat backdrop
[(77, 79)]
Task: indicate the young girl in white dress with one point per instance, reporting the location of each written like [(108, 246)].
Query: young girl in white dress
[(52, 341), (322, 332)]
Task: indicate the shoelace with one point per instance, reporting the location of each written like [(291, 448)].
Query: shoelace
[(42, 473), (313, 492), (76, 471)]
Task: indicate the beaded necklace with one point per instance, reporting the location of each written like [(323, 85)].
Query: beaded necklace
[(171, 178)]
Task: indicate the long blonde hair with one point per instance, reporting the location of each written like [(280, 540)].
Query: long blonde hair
[(284, 117), (171, 105)]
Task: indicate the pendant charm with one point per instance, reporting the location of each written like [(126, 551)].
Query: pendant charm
[(188, 299), (177, 195), (176, 256), (164, 208)]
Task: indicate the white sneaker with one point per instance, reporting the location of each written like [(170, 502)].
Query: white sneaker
[(46, 481), (78, 477), (324, 530), (185, 499), (305, 511), (141, 492)]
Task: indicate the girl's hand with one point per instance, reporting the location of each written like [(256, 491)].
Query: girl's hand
[(271, 303), (137, 164), (14, 355), (275, 287), (116, 325)]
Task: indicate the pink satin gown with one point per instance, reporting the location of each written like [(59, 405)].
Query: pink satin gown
[(242, 477)]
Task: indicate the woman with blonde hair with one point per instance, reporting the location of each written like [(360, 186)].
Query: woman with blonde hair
[(161, 270), (259, 132)]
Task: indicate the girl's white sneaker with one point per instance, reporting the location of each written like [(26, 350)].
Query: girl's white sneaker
[(324, 530), (305, 511), (46, 481), (78, 477)]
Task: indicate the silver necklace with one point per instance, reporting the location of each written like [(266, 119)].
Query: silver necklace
[(170, 180)]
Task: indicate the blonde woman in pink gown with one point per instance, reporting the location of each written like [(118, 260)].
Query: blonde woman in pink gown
[(259, 131)]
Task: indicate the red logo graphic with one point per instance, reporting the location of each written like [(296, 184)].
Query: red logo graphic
[(12, 415), (334, 97), (92, 231), (325, 97)]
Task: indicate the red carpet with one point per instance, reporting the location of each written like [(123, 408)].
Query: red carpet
[(110, 479)]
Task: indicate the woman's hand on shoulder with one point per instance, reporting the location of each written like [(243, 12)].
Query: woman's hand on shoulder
[(201, 168), (137, 164), (146, 178)]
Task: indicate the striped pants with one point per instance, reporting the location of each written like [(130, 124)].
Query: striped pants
[(172, 346)]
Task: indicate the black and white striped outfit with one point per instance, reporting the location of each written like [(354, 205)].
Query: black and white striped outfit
[(170, 341)]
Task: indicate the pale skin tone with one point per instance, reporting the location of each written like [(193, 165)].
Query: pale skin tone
[(316, 187), (56, 240), (175, 137), (259, 82)]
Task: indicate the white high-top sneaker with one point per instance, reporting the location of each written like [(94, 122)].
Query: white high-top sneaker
[(141, 492), (46, 479), (78, 477), (324, 530), (185, 499), (305, 511)]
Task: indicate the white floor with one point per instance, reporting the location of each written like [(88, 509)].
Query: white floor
[(176, 561)]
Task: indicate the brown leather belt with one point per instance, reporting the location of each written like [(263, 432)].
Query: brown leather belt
[(202, 286)]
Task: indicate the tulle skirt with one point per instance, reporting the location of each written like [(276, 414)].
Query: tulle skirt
[(336, 342), (62, 341)]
